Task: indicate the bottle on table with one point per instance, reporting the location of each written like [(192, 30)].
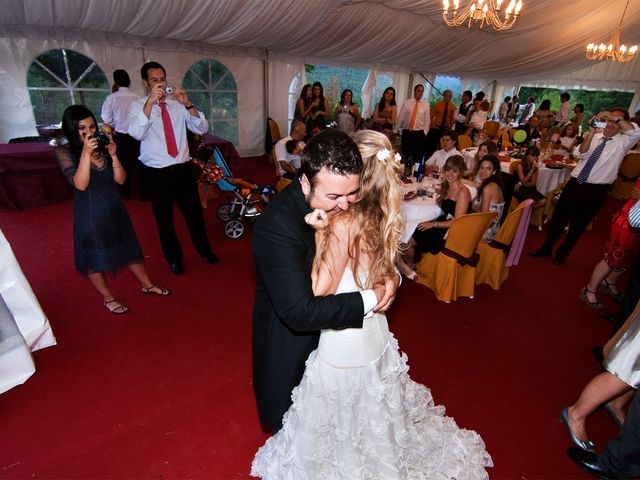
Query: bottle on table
[(419, 168)]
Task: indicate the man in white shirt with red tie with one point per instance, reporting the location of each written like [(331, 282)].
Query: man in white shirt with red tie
[(413, 121), (600, 154), (160, 121)]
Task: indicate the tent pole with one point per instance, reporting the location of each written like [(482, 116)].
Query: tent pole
[(265, 89)]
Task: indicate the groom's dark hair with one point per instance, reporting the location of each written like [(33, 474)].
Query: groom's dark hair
[(333, 150)]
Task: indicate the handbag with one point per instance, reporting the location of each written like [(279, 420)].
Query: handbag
[(211, 172)]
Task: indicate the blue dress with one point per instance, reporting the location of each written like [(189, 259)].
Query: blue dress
[(103, 236)]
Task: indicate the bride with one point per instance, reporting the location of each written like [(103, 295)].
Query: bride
[(356, 413)]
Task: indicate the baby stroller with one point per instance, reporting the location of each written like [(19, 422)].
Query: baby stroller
[(246, 199)]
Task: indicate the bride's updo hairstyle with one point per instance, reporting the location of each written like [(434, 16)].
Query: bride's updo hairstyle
[(376, 212)]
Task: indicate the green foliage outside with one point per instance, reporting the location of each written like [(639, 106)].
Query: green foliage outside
[(593, 101), (336, 79), (49, 105)]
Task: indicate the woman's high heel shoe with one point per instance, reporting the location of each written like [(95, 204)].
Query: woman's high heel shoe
[(586, 445), (583, 296), (610, 289)]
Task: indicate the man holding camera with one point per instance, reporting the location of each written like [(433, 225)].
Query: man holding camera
[(160, 122), (600, 156)]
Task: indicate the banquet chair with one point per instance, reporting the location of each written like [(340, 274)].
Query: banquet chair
[(506, 140), (281, 183), (464, 141), (537, 214), (491, 129), (451, 273), (491, 268), (273, 135), (628, 173)]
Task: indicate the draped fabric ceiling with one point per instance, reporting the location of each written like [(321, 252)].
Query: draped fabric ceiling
[(545, 47)]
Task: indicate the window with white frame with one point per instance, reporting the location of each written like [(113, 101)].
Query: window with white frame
[(61, 77), (212, 89)]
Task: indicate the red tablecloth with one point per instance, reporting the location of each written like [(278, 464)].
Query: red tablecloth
[(30, 177)]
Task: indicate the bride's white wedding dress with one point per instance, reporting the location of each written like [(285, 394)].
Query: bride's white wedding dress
[(357, 415)]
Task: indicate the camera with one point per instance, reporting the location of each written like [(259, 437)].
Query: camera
[(102, 138), (168, 89), (598, 123)]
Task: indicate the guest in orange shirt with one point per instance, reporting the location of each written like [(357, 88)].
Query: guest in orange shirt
[(442, 118)]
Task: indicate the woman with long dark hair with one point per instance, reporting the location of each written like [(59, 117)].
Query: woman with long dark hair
[(347, 115), (386, 110), (103, 236), (527, 173), (490, 197), (303, 104), (319, 108)]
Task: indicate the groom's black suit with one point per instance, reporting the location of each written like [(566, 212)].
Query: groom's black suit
[(287, 318)]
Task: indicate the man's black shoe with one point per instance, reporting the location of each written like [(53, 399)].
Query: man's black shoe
[(177, 268), (211, 258), (559, 260), (539, 253), (588, 461)]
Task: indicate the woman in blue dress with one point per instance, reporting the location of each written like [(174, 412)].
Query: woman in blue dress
[(103, 237)]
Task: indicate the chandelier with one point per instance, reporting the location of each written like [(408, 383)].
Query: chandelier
[(482, 11), (613, 51)]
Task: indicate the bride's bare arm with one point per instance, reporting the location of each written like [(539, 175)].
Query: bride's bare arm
[(334, 249)]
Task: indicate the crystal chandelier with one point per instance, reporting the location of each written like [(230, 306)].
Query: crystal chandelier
[(613, 50), (482, 11)]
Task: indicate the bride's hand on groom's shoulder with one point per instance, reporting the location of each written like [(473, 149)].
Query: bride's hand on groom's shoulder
[(318, 219)]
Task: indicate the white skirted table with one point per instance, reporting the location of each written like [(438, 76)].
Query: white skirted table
[(23, 325)]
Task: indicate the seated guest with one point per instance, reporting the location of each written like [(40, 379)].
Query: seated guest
[(564, 142), (490, 197), (439, 157), (533, 128), (454, 200), (386, 110), (527, 173), (478, 118), (290, 162), (387, 129), (485, 148), (346, 114)]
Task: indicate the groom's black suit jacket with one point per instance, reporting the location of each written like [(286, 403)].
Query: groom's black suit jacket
[(287, 318)]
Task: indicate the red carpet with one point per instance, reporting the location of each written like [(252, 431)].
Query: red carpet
[(165, 391)]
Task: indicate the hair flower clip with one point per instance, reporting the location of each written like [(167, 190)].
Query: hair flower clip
[(383, 154)]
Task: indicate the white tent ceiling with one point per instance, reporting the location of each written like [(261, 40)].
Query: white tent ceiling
[(548, 39), (264, 43)]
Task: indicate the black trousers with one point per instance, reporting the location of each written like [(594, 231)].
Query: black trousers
[(577, 207), (621, 456), (413, 144), (128, 151), (176, 184)]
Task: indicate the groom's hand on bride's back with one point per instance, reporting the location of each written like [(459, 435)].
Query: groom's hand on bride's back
[(386, 293)]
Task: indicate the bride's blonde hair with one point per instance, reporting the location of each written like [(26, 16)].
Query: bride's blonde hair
[(374, 218)]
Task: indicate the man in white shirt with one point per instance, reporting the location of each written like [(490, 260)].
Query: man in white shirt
[(562, 116), (600, 154), (160, 122), (413, 120), (439, 157), (114, 114), (528, 110), (289, 163)]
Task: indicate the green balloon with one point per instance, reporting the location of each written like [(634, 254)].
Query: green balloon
[(520, 136)]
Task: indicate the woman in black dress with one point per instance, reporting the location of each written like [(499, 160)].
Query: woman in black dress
[(527, 173), (454, 200), (103, 237)]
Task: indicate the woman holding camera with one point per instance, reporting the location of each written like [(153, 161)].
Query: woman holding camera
[(103, 236)]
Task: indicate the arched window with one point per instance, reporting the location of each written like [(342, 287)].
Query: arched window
[(295, 87), (212, 88), (59, 78)]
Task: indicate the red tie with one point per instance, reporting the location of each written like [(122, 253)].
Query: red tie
[(172, 148)]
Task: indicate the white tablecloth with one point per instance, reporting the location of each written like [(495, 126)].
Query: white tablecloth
[(23, 325)]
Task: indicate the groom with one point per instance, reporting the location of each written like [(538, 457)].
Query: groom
[(287, 318)]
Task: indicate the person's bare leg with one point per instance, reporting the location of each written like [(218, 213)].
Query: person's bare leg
[(599, 390), (141, 274), (600, 271), (612, 280), (99, 282)]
